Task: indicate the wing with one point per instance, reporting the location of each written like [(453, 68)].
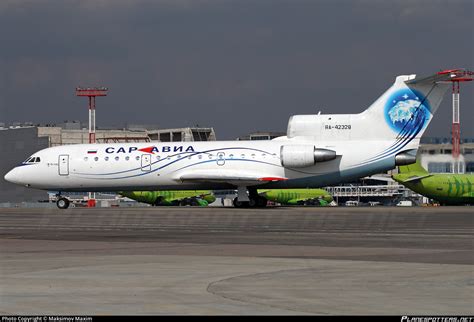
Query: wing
[(237, 178)]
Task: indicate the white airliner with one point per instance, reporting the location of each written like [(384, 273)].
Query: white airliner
[(318, 150)]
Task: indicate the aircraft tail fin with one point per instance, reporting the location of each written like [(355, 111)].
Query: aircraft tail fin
[(402, 113), (414, 168), (407, 107)]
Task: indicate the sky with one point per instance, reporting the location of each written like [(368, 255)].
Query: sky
[(238, 66)]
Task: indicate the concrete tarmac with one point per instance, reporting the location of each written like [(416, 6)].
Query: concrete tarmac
[(237, 261)]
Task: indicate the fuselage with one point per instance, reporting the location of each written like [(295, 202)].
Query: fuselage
[(169, 197), (295, 196), (159, 166)]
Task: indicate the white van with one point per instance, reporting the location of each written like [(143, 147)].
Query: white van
[(352, 203), (404, 203)]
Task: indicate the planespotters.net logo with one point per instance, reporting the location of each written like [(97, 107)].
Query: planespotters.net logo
[(437, 319), (407, 111)]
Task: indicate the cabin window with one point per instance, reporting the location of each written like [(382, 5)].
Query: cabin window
[(106, 158), (200, 156), (86, 158), (210, 156), (158, 157), (137, 158), (127, 158), (242, 156), (253, 156), (231, 156), (117, 158), (96, 158)]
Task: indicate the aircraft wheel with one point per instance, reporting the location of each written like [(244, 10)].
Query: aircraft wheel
[(262, 202), (240, 204), (62, 203), (194, 202), (157, 202), (253, 202), (237, 203)]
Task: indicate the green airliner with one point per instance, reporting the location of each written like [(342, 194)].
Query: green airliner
[(448, 189), (318, 197), (172, 197), (297, 196)]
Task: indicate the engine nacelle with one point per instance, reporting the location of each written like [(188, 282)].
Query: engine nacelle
[(406, 157), (302, 156)]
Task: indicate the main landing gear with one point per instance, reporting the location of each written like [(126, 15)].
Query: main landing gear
[(253, 200), (252, 203)]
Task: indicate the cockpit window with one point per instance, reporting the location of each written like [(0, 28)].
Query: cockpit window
[(32, 160)]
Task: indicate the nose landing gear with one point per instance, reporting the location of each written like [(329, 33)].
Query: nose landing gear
[(62, 203)]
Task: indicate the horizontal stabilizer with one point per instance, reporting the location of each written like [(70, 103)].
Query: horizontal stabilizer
[(442, 76), (379, 178), (416, 178)]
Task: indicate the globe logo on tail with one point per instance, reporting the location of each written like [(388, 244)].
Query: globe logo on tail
[(407, 111)]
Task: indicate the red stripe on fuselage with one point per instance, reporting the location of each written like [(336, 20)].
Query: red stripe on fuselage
[(272, 179)]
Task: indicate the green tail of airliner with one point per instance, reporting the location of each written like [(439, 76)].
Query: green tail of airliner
[(414, 168), (446, 188)]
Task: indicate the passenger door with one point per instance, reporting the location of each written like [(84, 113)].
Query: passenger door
[(146, 162), (63, 164)]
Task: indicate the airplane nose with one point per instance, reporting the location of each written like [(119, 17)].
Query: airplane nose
[(12, 176), (9, 176)]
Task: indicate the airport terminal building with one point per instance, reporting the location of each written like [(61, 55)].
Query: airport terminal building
[(16, 144), (436, 155)]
